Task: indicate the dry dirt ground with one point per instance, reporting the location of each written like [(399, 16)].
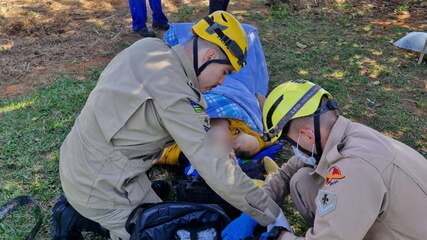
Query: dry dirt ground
[(40, 39)]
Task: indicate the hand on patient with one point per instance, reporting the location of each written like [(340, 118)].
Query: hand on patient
[(240, 228)]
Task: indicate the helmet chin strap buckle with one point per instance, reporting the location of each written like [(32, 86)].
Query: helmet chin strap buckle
[(267, 136)]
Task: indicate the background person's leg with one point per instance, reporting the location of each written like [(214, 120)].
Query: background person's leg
[(159, 19), (138, 11), (215, 5), (303, 190)]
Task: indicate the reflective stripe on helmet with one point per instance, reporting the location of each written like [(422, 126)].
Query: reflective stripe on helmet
[(289, 115), (228, 42)]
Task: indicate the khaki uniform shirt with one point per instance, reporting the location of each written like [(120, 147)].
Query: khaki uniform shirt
[(374, 187), (145, 100)]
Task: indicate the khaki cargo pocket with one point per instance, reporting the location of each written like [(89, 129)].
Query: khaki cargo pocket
[(138, 190), (131, 166)]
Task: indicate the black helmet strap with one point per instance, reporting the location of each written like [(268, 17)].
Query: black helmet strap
[(317, 137), (196, 67), (330, 105), (195, 56)]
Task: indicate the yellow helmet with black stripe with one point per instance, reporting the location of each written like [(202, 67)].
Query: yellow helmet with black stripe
[(290, 100), (224, 30)]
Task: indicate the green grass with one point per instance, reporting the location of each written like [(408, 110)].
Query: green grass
[(375, 84), (185, 13), (31, 131), (401, 8)]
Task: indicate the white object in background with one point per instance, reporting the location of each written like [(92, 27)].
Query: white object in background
[(414, 41)]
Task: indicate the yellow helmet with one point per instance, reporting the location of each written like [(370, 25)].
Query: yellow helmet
[(224, 30), (290, 100)]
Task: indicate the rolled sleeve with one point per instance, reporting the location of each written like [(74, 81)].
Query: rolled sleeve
[(277, 186)]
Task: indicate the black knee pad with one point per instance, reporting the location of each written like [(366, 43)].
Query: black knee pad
[(68, 224)]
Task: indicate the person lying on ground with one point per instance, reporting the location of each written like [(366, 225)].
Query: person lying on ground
[(235, 134)]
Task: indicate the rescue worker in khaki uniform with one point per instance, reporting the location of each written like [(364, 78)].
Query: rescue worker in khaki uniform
[(347, 180), (147, 98)]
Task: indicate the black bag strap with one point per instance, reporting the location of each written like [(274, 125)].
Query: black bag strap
[(133, 217), (13, 204), (131, 221)]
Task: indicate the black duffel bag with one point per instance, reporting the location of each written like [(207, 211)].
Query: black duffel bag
[(177, 220), (195, 189)]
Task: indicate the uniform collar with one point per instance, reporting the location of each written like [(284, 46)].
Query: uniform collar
[(334, 144), (187, 63)]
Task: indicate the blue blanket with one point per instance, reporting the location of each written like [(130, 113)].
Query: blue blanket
[(235, 99)]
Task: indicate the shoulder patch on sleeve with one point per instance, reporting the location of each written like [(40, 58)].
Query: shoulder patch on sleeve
[(326, 202), (334, 175), (196, 107)]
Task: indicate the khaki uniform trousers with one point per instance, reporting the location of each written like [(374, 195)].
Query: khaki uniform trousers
[(115, 219)]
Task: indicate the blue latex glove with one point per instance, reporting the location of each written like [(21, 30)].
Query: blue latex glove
[(240, 228), (269, 236), (190, 171)]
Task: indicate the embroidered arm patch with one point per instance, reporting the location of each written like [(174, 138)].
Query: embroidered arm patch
[(326, 202), (335, 175)]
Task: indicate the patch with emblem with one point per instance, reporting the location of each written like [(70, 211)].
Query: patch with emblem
[(326, 202), (334, 175), (196, 107)]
